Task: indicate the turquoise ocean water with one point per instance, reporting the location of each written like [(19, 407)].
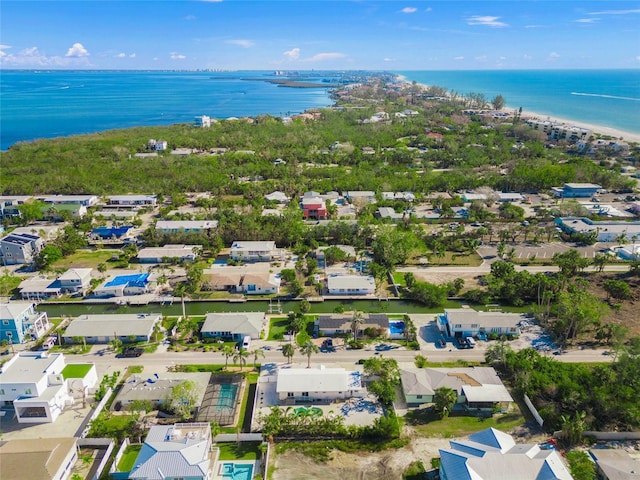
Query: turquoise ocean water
[(609, 98), (37, 104)]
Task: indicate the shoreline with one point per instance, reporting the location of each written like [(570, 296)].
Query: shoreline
[(595, 129)]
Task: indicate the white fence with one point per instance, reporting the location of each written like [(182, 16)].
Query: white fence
[(533, 410)]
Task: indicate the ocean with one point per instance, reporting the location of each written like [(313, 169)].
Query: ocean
[(45, 104), (608, 98)]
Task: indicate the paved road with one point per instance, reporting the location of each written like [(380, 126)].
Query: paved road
[(161, 360)]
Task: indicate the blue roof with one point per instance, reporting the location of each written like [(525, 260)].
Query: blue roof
[(139, 279), (108, 232)]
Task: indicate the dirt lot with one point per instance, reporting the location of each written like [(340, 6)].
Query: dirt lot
[(386, 465), (629, 312)]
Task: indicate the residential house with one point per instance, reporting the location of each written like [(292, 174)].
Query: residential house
[(124, 285), (39, 288), (157, 145), (101, 329), (84, 200), (318, 384), (20, 248), (277, 196), (390, 214), (466, 322), (38, 458), (34, 385), (249, 251), (338, 324), (576, 190), (364, 196), (75, 280), (510, 197), (558, 130), (155, 388), (223, 280), (179, 253), (260, 284), (478, 389), (233, 326), (186, 226), (10, 206), (351, 284), (615, 464), (133, 200), (606, 231), (313, 208), (491, 454), (21, 322), (203, 121), (110, 233), (182, 450)]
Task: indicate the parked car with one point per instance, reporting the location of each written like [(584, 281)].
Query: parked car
[(441, 343), (132, 351)]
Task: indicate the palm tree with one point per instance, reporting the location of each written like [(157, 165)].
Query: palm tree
[(288, 350), (308, 349), (257, 353), (444, 399), (356, 322), (241, 357), (228, 352)]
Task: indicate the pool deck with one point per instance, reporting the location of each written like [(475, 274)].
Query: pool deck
[(218, 468), (355, 411)]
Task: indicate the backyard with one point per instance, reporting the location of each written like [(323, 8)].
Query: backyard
[(84, 259)]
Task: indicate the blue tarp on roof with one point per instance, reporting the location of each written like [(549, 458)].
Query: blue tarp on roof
[(138, 280), (108, 232)]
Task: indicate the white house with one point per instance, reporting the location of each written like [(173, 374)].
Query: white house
[(75, 280), (249, 251), (351, 284), (260, 284), (181, 253), (606, 231), (33, 384), (318, 384), (127, 327), (121, 285), (186, 226), (233, 326), (182, 450), (490, 454), (133, 200), (277, 196), (466, 322)]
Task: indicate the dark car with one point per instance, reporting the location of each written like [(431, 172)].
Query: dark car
[(441, 343), (132, 352)]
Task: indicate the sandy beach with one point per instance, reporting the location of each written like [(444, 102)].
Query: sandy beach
[(612, 132), (596, 129)]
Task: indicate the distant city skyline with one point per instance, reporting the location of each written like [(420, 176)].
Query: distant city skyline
[(321, 35)]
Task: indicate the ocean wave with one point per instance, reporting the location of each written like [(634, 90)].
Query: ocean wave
[(605, 96)]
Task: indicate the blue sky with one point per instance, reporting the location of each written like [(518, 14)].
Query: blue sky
[(301, 35)]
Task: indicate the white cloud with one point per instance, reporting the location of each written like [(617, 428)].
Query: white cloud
[(32, 57), (133, 55), (503, 58), (177, 56), (241, 43), (553, 56), (190, 17), (458, 58), (325, 56), (486, 20), (481, 58), (409, 10), (587, 20), (121, 55), (615, 12), (526, 56), (3, 47), (292, 54), (77, 50), (428, 9), (387, 59)]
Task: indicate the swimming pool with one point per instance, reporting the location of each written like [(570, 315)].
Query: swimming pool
[(396, 329), (237, 471), (227, 396)]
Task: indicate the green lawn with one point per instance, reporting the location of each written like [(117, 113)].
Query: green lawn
[(451, 258), (239, 451), (277, 328), (427, 424), (77, 370), (128, 458), (84, 259)]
